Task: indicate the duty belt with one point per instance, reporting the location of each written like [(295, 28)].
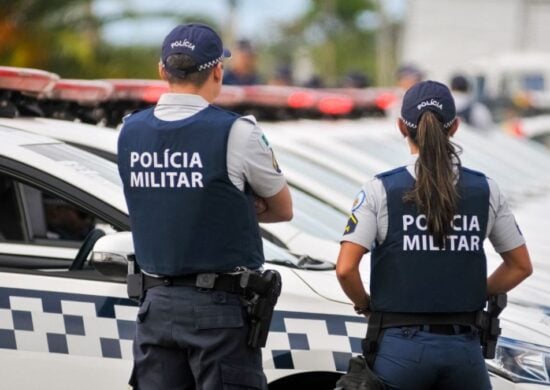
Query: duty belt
[(219, 282)]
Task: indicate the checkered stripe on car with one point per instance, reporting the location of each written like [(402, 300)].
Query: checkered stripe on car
[(75, 324), (313, 341), (91, 325)]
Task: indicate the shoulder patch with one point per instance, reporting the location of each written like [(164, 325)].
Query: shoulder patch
[(352, 224), (275, 162), (264, 143), (359, 200)]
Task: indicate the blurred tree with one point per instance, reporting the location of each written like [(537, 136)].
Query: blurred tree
[(338, 35), (64, 37), (57, 35)]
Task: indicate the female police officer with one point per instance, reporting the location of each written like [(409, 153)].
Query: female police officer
[(425, 225)]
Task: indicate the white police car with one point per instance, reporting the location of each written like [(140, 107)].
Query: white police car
[(78, 323), (52, 316)]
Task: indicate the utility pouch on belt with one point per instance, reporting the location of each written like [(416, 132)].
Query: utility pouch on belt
[(263, 290)]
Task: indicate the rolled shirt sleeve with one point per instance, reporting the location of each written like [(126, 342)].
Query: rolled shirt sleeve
[(502, 230), (251, 159), (367, 222)]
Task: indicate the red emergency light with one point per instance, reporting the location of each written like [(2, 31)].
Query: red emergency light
[(335, 105), (302, 100), (386, 100), (148, 91), (273, 96), (324, 101), (82, 91), (26, 79)]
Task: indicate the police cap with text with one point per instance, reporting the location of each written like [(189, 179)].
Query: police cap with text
[(198, 41), (428, 96)]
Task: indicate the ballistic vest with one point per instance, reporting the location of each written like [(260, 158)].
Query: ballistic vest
[(410, 272), (185, 213)]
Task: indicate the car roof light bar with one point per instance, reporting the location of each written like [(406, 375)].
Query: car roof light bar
[(148, 91), (386, 100), (82, 91), (230, 95), (335, 105), (26, 79), (278, 96)]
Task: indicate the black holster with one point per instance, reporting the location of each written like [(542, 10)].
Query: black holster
[(262, 292)]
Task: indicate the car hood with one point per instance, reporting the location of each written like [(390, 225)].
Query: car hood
[(528, 324)]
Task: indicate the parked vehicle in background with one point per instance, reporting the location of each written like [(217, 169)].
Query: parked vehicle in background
[(63, 311), (536, 128), (509, 66)]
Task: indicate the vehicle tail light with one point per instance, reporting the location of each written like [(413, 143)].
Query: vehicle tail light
[(516, 128), (26, 79)]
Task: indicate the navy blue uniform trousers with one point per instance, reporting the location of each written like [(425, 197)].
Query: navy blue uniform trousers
[(191, 339), (410, 359)]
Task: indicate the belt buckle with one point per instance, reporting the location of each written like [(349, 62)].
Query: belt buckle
[(206, 280)]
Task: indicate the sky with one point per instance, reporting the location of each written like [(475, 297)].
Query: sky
[(254, 16)]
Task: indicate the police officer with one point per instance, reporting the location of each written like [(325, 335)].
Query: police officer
[(197, 181), (424, 225), (470, 111)]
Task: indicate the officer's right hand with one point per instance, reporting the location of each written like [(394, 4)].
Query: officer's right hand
[(260, 205)]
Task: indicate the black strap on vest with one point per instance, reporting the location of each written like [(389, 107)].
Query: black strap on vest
[(380, 321)]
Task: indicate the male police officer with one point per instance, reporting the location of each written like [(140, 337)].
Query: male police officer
[(197, 180)]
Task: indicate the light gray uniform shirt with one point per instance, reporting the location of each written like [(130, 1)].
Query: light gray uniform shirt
[(370, 210), (250, 158)]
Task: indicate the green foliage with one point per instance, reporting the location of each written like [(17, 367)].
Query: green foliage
[(64, 37)]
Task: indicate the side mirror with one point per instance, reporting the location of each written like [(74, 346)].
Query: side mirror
[(110, 255)]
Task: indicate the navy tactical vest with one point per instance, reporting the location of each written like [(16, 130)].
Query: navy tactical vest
[(185, 213), (410, 272)]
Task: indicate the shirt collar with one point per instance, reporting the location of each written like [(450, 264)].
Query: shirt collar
[(186, 99)]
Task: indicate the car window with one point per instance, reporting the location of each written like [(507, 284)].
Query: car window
[(42, 232), (316, 218), (11, 227), (85, 163), (31, 215)]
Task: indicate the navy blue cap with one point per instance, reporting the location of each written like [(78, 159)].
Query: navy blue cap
[(198, 41), (428, 96)]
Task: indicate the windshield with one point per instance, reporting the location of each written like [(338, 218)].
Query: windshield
[(319, 173), (273, 252), (316, 218)]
